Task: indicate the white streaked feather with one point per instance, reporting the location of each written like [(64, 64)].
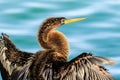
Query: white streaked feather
[(88, 68), (5, 62)]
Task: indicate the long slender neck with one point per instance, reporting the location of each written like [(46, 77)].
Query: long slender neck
[(51, 39), (42, 36)]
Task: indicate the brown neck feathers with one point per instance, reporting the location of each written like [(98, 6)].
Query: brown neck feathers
[(49, 38)]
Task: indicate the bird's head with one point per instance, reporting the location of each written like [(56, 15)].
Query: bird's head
[(54, 22)]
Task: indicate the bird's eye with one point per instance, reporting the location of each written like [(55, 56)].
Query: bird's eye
[(62, 21)]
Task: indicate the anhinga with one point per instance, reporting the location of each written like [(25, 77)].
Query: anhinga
[(51, 63)]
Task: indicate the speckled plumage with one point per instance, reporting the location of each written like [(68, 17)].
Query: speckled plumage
[(51, 63)]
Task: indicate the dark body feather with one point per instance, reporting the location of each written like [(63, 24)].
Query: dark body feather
[(52, 62)]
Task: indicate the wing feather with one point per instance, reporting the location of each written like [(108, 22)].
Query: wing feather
[(87, 67), (14, 62), (47, 72), (83, 67)]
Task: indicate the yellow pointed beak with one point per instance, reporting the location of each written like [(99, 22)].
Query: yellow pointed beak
[(67, 21)]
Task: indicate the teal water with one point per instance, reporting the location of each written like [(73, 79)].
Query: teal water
[(98, 34)]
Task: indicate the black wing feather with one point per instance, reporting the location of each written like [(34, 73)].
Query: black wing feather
[(14, 63), (87, 67)]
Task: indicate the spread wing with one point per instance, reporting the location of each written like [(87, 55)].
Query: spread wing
[(87, 67), (83, 67), (14, 64)]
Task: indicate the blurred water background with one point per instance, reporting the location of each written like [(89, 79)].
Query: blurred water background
[(98, 34)]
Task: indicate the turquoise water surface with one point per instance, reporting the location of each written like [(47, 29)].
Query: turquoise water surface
[(98, 34)]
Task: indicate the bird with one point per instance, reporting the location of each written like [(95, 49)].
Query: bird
[(51, 62)]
